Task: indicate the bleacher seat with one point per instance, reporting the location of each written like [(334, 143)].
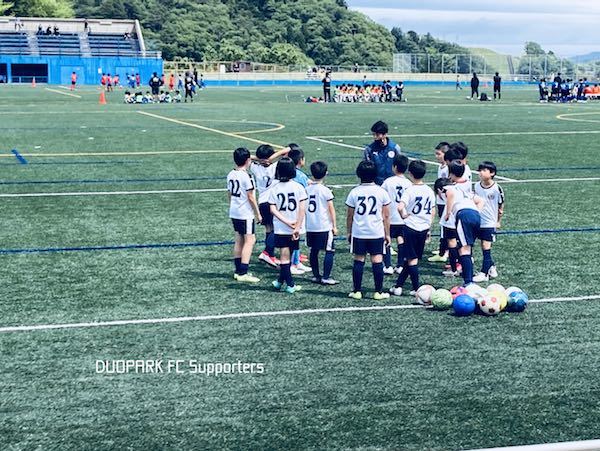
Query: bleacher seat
[(13, 43), (59, 45), (111, 44)]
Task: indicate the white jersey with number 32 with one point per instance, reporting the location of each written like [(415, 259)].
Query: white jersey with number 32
[(368, 201)]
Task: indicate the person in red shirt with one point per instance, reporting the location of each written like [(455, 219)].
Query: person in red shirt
[(109, 83), (73, 81), (116, 80), (171, 82), (103, 81), (137, 80)]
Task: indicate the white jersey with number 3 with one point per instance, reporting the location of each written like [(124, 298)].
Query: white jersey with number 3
[(395, 187), (419, 201), (368, 201), (317, 209), (286, 196), (239, 183)]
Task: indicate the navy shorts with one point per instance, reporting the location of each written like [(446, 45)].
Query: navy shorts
[(414, 243), (265, 212), (322, 241), (282, 241), (397, 230), (487, 234), (243, 226), (364, 246), (449, 234), (468, 226)]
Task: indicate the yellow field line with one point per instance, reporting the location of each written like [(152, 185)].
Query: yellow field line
[(208, 129), (63, 93), (567, 117), (276, 125), (105, 154)]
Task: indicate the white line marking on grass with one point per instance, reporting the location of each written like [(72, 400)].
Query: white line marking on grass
[(183, 319), (349, 146), (46, 113), (568, 117), (213, 130), (63, 93), (104, 154), (454, 135), (580, 445), (114, 193)]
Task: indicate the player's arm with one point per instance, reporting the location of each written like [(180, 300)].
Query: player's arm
[(501, 204), (349, 220), (479, 202), (449, 203), (331, 211), (402, 210), (254, 204), (385, 212), (277, 155), (276, 213), (299, 219)]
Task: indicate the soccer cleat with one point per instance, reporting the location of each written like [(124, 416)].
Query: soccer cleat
[(458, 267), (277, 284), (435, 252), (296, 271), (248, 278), (413, 293), (381, 296), (480, 277), (398, 269), (315, 280), (235, 276), (396, 291), (355, 295), (493, 272), (304, 268), (450, 273), (388, 270), (292, 290), (329, 281), (438, 258), (304, 258), (264, 257)]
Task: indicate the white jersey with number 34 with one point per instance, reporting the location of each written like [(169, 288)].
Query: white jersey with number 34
[(419, 201)]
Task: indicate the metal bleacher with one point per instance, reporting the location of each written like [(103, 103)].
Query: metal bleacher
[(111, 45), (63, 44), (13, 43)]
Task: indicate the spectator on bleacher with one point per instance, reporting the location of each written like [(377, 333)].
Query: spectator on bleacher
[(49, 31), (86, 26), (40, 30), (56, 32), (18, 24), (155, 84), (127, 36)]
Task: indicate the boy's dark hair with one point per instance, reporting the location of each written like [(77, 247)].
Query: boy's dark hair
[(417, 169), (441, 183), (451, 155), (318, 169), (240, 156), (264, 151), (366, 171), (443, 146), (456, 168), (461, 148), (490, 166), (286, 170), (380, 127), (296, 154), (400, 163)]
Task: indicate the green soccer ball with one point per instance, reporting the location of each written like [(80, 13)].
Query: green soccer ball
[(441, 299)]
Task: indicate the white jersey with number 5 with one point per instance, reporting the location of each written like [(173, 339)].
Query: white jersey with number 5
[(286, 196), (239, 183), (419, 201), (395, 187), (317, 210), (368, 201), (265, 179)]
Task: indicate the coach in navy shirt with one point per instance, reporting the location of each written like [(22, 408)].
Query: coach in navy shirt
[(381, 151)]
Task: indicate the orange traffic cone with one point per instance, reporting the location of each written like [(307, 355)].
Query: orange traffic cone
[(33, 82), (102, 100)]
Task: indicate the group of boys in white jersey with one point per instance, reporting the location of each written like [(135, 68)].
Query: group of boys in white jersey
[(401, 211)]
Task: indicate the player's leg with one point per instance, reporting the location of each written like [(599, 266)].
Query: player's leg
[(237, 253), (284, 267), (313, 241), (387, 261), (452, 251), (401, 258), (466, 261), (467, 228), (378, 274), (247, 245), (359, 250)]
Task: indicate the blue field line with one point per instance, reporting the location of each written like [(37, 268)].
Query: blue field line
[(19, 157), (45, 250)]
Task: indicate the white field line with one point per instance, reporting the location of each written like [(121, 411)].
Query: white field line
[(183, 319), (46, 113), (63, 93), (435, 163), (216, 190), (115, 154), (454, 135), (581, 445)]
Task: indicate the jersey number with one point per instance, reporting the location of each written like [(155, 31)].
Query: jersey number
[(399, 190), (419, 206), (234, 188), (267, 181), (362, 205), (287, 204), (312, 204)]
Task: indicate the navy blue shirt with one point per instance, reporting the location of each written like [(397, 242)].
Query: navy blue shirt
[(383, 157)]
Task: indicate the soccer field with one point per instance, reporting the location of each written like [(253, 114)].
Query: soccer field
[(112, 214)]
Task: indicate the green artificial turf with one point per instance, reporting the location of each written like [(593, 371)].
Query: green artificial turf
[(408, 378)]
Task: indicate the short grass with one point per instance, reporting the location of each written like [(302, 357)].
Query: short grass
[(396, 379)]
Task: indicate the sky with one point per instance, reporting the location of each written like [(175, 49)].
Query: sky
[(567, 27)]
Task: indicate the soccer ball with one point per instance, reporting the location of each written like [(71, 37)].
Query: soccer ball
[(502, 297), (510, 290), (517, 301), (495, 287), (457, 291), (424, 293), (475, 291), (441, 299), (490, 304), (464, 305)]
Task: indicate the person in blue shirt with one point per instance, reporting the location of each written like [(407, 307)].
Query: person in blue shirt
[(382, 152)]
